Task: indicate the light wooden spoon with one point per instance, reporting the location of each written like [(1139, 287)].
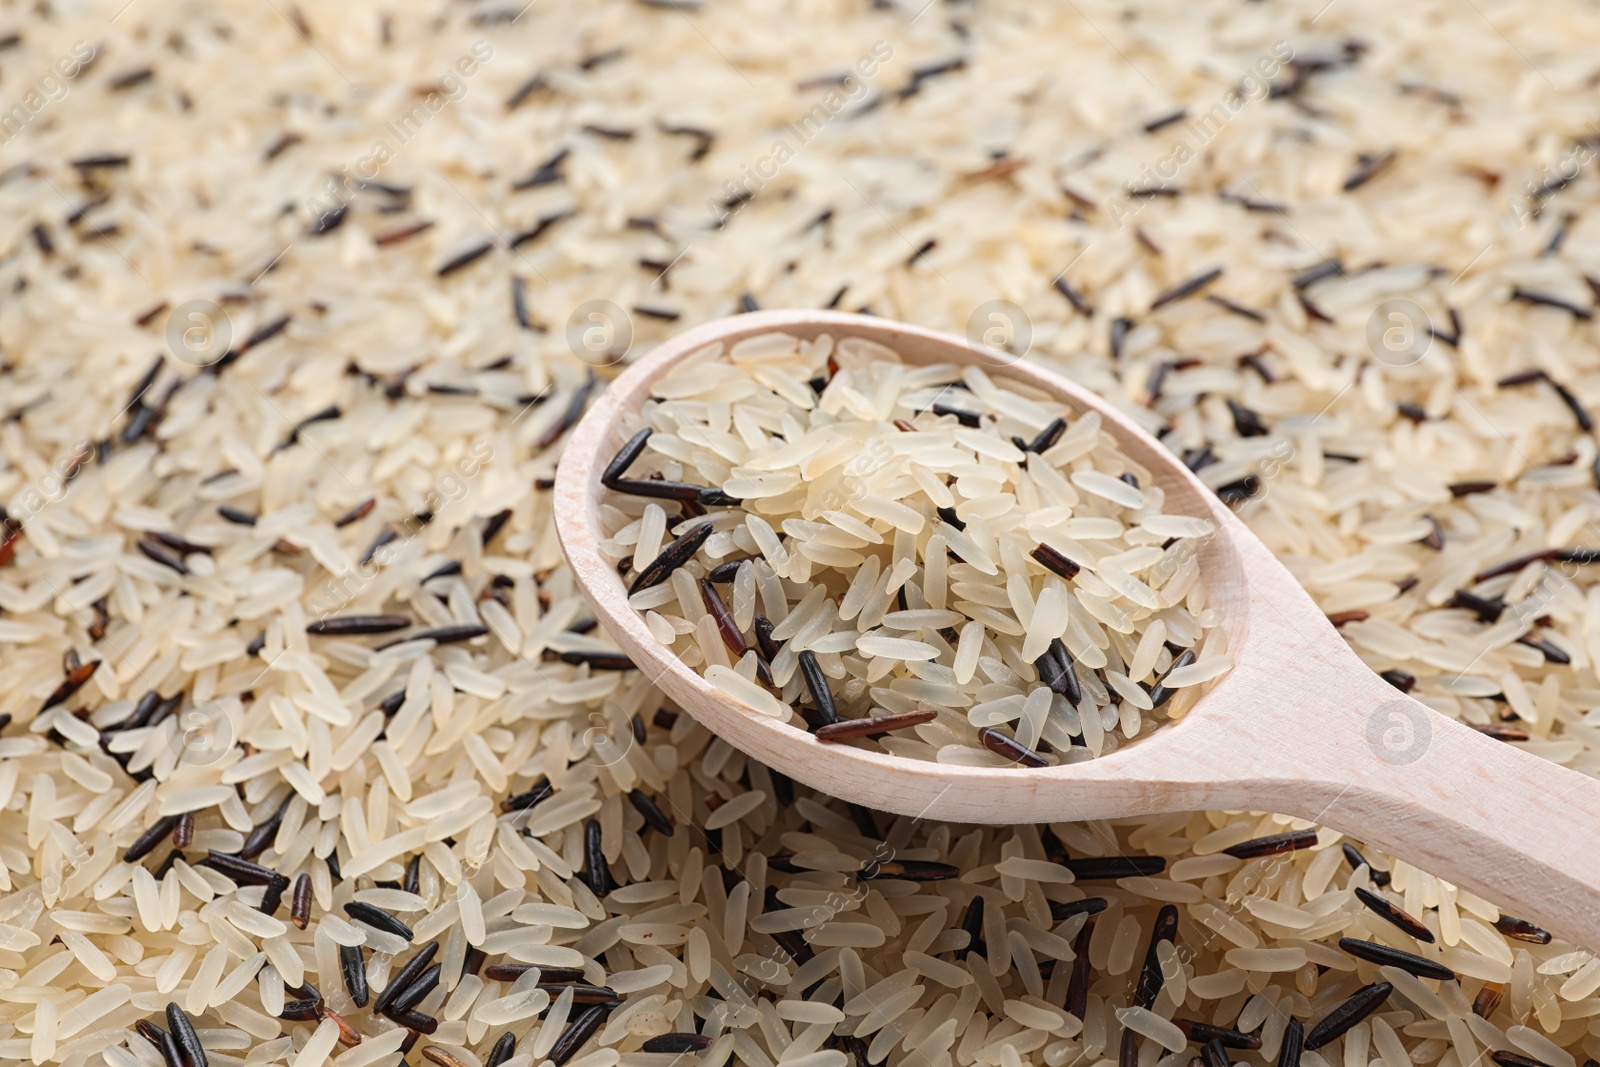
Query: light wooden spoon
[(1300, 726)]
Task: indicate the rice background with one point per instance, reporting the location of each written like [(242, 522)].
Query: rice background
[(679, 162)]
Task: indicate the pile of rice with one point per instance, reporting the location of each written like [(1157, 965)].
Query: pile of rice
[(319, 266), (979, 570)]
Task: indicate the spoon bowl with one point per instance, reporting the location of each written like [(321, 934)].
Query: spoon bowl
[(1298, 726)]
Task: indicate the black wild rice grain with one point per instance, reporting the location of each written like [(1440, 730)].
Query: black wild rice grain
[(1312, 311), (1273, 844), (1530, 296), (1511, 566), (1150, 980), (1075, 298), (1574, 405), (1186, 288), (171, 1055), (671, 558), (1552, 654), (1214, 1054), (378, 919), (600, 661), (865, 823), (1246, 421), (596, 871), (676, 1043), (658, 313), (1404, 681), (923, 249), (1243, 312), (450, 635), (1414, 412), (354, 970), (417, 991), (1077, 999), (415, 1020), (844, 729), (1368, 166), (263, 832), (519, 302), (578, 1031), (402, 233), (1522, 930), (464, 259), (723, 573), (972, 923), (1048, 436), (405, 976), (146, 842), (966, 418), (816, 681), (161, 554), (300, 902), (1110, 868), (1512, 1059), (1486, 610), (574, 411), (1166, 120), (1312, 275), (1384, 956), (1086, 906), (446, 569), (299, 1010), (653, 816), (183, 835), (1055, 562), (1362, 1003), (909, 870), (729, 630), (763, 628), (355, 625), (1583, 556), (1488, 1000), (1064, 678), (548, 173), (1119, 334), (1294, 1039), (539, 227), (236, 516), (1354, 858), (1391, 914), (539, 792), (356, 514), (71, 684), (1010, 748), (272, 898), (386, 536), (1500, 731), (503, 1050), (183, 1033), (1161, 694), (625, 457), (1201, 1032)]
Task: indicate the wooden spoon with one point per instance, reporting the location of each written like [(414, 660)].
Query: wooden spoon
[(1299, 726)]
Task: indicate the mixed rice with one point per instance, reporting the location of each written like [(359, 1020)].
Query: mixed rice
[(974, 596), (299, 303)]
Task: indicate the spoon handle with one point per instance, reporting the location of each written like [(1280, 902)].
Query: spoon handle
[(1356, 754)]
